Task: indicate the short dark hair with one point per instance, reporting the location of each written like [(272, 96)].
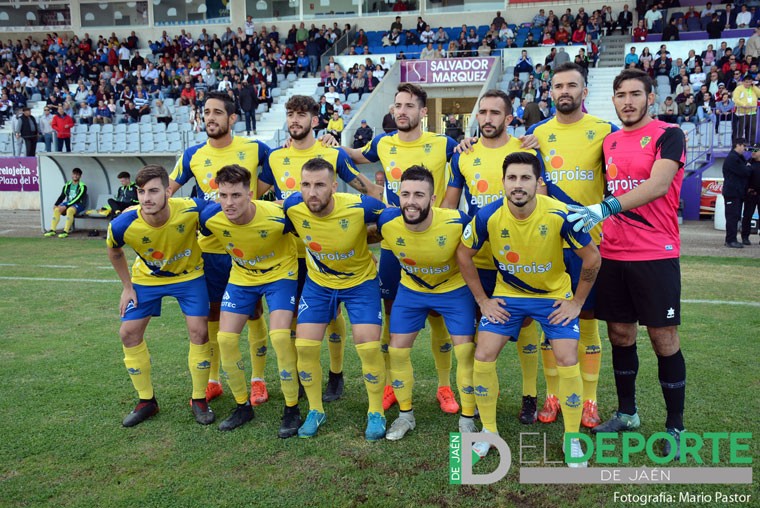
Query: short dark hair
[(499, 94), (572, 66), (232, 174), (522, 158), (77, 171), (151, 171), (302, 104), (418, 173), (414, 90), (123, 174), (629, 74), (739, 141), (317, 164), (229, 104)]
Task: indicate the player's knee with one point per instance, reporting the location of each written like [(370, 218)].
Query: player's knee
[(665, 341), (198, 333)]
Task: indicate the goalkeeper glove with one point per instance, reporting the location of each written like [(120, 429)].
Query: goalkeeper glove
[(586, 217)]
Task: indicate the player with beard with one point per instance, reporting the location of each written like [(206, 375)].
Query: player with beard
[(574, 175), (527, 232), (478, 172), (201, 162), (340, 269), (282, 170), (399, 150), (163, 234), (640, 279), (424, 239)]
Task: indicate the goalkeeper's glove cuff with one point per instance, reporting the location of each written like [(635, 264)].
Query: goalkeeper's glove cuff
[(611, 206)]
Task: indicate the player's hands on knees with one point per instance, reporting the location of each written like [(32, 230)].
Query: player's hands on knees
[(529, 141), (564, 312), (494, 309), (465, 146), (329, 140), (127, 295)]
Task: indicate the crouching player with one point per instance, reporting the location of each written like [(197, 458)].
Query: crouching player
[(526, 233), (264, 264), (424, 239), (163, 233)]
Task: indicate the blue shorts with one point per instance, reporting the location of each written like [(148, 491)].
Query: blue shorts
[(411, 309), (536, 308), (280, 295), (573, 264), (217, 269), (389, 272), (191, 296), (487, 280), (320, 305), (79, 207)]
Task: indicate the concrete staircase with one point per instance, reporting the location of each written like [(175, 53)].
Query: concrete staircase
[(599, 100), (271, 127), (613, 51)]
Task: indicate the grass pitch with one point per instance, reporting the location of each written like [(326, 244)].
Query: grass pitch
[(66, 391)]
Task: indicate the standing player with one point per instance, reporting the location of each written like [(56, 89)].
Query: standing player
[(526, 233), (163, 234), (430, 281), (201, 162), (397, 150), (640, 280), (263, 265), (282, 170), (72, 201), (478, 172), (574, 176), (332, 226)]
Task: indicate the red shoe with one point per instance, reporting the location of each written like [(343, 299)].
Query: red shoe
[(548, 413), (259, 393), (213, 390), (590, 418), (389, 398), (446, 400)]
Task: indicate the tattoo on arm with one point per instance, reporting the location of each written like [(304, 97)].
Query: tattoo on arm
[(589, 274), (359, 184)]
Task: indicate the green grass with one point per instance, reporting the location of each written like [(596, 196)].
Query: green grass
[(66, 392)]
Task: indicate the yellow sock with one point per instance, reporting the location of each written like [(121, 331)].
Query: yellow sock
[(310, 371), (465, 354), (257, 345), (70, 213), (374, 374), (550, 369), (402, 376), (527, 352), (336, 342), (385, 340), (137, 361), (486, 389), (199, 361), (287, 360), (232, 363), (590, 357), (213, 330), (54, 221), (570, 389), (440, 344)]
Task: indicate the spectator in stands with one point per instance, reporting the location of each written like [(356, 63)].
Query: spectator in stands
[(745, 99), (687, 110), (46, 129), (335, 126), (715, 86), (162, 113), (670, 32), (427, 35), (662, 65), (706, 110), (363, 135), (640, 32), (411, 38), (86, 114), (530, 42), (361, 38), (682, 92), (625, 20), (562, 37), (441, 37), (62, 125), (453, 127), (103, 114), (473, 41), (539, 20), (498, 20), (579, 33), (484, 49), (515, 87), (264, 94), (714, 27), (428, 53), (668, 111), (524, 63), (740, 50), (730, 17), (396, 25), (370, 82), (632, 59), (28, 131), (529, 92), (697, 78), (652, 16), (389, 123), (743, 18), (724, 109), (594, 27), (420, 25), (753, 44)]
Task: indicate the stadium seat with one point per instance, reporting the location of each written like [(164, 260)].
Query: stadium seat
[(172, 127), (120, 128), (133, 128), (693, 25), (161, 146), (175, 146)]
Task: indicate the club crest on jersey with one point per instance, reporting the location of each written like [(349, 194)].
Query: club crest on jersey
[(400, 241), (590, 135), (241, 156), (441, 240), (263, 233), (613, 145), (645, 141), (343, 224), (305, 224), (145, 240), (226, 234), (207, 163), (543, 230), (393, 150), (552, 138), (181, 228), (476, 162), (505, 233), (286, 161), (428, 148)]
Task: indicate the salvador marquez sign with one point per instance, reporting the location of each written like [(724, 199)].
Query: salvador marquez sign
[(446, 71)]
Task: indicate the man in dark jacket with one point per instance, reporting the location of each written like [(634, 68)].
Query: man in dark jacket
[(249, 103), (752, 198), (736, 174), (71, 202), (363, 135), (29, 131), (126, 196)]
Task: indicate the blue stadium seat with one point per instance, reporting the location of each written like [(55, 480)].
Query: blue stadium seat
[(693, 25)]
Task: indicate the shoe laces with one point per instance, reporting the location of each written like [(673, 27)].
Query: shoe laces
[(446, 394)]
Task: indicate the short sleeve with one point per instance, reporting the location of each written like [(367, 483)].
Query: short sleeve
[(372, 208), (345, 167), (672, 146), (456, 179), (266, 174), (451, 145), (371, 149)]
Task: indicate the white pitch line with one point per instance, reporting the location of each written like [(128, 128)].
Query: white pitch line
[(56, 266), (47, 279), (7, 231), (723, 302)]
